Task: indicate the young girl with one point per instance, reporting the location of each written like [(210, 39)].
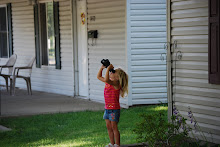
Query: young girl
[(115, 84)]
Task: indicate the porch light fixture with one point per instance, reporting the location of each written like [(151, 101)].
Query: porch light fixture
[(92, 18)]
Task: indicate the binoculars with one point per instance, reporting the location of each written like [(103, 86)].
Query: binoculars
[(106, 63)]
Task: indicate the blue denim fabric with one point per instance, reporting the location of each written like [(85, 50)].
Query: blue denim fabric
[(112, 115)]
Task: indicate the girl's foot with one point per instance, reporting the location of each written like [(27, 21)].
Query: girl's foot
[(109, 145), (115, 145)]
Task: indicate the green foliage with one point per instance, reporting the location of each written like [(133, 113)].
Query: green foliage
[(50, 19), (152, 128), (157, 131)]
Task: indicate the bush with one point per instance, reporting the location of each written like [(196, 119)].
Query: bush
[(156, 131), (152, 128)]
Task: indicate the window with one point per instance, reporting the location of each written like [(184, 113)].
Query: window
[(47, 34), (50, 34), (214, 42), (5, 31)]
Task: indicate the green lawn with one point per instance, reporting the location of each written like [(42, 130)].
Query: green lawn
[(71, 129)]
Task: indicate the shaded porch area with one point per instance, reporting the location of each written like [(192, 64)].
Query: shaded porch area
[(23, 104)]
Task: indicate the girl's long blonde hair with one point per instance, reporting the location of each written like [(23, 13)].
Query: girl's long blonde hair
[(123, 82)]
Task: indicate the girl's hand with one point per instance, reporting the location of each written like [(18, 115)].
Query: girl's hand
[(102, 67), (110, 67)]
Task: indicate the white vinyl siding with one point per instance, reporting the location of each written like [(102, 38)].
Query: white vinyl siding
[(189, 27), (146, 39), (110, 44), (46, 78)]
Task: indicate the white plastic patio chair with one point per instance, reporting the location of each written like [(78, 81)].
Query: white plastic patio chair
[(25, 74), (8, 66)]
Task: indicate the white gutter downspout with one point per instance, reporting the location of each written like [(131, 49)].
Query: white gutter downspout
[(169, 62), (75, 48), (128, 31)]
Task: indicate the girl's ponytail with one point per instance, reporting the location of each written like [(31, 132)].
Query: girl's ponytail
[(123, 81)]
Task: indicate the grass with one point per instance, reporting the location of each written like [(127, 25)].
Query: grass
[(71, 129)]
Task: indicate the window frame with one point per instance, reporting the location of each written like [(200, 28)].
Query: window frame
[(6, 9), (40, 37), (48, 35), (56, 24)]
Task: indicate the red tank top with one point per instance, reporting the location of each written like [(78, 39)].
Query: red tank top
[(111, 97)]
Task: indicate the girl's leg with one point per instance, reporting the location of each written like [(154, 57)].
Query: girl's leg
[(116, 132), (110, 131)]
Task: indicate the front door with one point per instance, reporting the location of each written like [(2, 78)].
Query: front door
[(82, 47)]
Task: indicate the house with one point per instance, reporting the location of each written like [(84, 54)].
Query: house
[(193, 49), (131, 34), (134, 35)]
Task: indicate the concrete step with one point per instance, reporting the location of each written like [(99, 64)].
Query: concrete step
[(3, 129)]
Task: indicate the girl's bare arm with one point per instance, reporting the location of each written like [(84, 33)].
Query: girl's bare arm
[(99, 75), (107, 80)]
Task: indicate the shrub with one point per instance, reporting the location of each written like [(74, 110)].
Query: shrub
[(156, 131), (152, 128)]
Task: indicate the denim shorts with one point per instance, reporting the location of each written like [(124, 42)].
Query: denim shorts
[(112, 115)]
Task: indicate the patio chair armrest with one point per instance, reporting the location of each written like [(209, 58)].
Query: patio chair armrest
[(18, 68), (23, 67), (4, 66)]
